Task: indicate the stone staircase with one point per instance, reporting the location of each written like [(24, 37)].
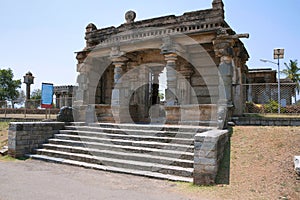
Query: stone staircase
[(165, 152)]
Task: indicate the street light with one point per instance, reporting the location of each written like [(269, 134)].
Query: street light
[(278, 54)]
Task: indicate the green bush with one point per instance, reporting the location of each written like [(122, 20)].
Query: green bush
[(272, 107)]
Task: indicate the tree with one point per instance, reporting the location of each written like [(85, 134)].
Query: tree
[(292, 72), (21, 98), (8, 86), (36, 96)]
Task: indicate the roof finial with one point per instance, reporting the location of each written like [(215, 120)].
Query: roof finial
[(218, 4), (130, 16)]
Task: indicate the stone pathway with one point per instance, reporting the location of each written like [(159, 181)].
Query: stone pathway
[(35, 180)]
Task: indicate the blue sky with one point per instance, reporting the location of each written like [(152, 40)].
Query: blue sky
[(42, 36)]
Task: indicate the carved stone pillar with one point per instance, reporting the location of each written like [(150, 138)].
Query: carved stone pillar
[(185, 85), (239, 95), (170, 49), (57, 97), (66, 99), (118, 92), (118, 61), (224, 45), (171, 94), (223, 50), (61, 100)]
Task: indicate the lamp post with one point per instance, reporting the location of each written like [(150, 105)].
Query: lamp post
[(278, 54), (28, 80)]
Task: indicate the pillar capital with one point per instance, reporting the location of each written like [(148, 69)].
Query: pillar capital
[(170, 57), (168, 45), (227, 42), (223, 47), (119, 61)]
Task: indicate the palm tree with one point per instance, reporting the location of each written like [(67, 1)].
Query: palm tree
[(292, 72)]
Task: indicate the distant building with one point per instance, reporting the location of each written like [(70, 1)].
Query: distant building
[(262, 86), (64, 95)]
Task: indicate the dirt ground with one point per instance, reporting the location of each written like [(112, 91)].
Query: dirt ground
[(261, 166)]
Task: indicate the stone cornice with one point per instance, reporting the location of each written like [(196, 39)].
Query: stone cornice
[(188, 23)]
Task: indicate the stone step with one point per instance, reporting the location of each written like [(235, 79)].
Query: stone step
[(128, 148), (129, 136), (108, 119), (120, 163), (114, 130), (112, 169), (153, 127), (123, 154), (150, 144)]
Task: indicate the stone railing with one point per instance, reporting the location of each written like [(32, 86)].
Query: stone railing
[(208, 153), (24, 137)]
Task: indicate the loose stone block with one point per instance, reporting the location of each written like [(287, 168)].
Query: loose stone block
[(297, 164)]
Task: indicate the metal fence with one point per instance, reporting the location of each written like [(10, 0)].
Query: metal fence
[(263, 98)]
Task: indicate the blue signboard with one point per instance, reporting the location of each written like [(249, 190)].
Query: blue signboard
[(47, 95)]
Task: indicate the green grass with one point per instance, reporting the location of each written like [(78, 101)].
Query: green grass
[(7, 158), (3, 126), (190, 187)]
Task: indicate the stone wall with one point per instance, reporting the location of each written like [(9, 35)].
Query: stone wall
[(272, 121), (208, 153), (24, 137)]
